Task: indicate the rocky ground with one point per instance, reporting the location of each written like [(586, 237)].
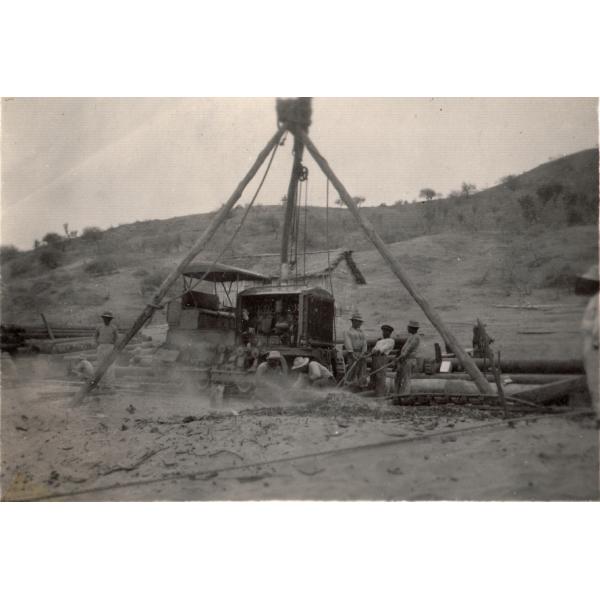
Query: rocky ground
[(152, 446)]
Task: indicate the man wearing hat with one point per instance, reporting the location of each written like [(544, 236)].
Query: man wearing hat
[(381, 352), (106, 337), (274, 369), (311, 373), (408, 359), (355, 344)]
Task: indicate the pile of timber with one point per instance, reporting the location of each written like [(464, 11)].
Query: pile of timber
[(59, 331)]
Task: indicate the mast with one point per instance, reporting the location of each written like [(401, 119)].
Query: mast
[(293, 113)]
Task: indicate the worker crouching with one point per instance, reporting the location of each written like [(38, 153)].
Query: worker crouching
[(311, 373)]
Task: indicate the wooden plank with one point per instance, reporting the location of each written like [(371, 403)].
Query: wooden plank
[(435, 319), (200, 245)]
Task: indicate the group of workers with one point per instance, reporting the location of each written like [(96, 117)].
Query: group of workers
[(312, 373), (306, 372), (355, 346)]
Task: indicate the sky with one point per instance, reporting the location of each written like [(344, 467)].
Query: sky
[(105, 162)]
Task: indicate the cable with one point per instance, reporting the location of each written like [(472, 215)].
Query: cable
[(305, 221)]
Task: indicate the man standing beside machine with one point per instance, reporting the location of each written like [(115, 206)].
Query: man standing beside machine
[(380, 353), (355, 344), (407, 359)]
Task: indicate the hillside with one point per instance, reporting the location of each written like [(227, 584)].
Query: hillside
[(526, 238)]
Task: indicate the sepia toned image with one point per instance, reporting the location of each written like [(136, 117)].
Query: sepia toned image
[(299, 299)]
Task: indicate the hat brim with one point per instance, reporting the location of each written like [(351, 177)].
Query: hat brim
[(304, 363)]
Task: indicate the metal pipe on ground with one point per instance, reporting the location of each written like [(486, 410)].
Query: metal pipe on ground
[(555, 367)]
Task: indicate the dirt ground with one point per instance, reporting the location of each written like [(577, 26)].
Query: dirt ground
[(149, 446)]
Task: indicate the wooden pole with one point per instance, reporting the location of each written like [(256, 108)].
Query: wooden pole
[(200, 244), (467, 362)]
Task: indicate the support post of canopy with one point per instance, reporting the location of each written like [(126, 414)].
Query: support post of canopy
[(200, 244), (467, 362)]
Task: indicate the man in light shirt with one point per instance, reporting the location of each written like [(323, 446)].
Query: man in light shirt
[(106, 337), (355, 344), (381, 352), (311, 373)]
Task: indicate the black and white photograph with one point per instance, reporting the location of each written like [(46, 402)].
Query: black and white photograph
[(299, 298)]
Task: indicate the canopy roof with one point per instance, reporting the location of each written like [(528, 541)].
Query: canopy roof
[(272, 290), (221, 272)]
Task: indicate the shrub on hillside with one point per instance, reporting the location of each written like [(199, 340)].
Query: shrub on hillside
[(92, 235), (51, 258), (52, 239), (101, 266), (528, 209), (511, 182), (152, 281), (21, 266), (549, 191), (8, 253)]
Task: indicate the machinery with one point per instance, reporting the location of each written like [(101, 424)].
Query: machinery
[(227, 331)]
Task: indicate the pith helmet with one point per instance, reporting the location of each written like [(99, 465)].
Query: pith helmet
[(388, 327), (107, 315), (356, 317), (273, 355), (414, 324)]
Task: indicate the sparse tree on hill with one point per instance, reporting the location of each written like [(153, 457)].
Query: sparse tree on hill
[(428, 194), (36, 244), (467, 188), (359, 200), (511, 182), (52, 239)]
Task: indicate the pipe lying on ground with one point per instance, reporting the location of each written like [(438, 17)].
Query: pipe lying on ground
[(538, 366), (524, 378)]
